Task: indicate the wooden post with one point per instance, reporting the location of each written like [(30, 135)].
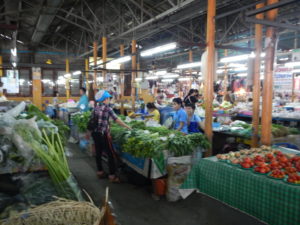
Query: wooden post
[(37, 87), (208, 91), (122, 81), (104, 59), (293, 88), (256, 79), (95, 53), (190, 70), (133, 74), (268, 81), (67, 79), (1, 69), (86, 62), (225, 76)]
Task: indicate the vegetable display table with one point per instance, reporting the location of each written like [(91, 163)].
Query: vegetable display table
[(270, 200)]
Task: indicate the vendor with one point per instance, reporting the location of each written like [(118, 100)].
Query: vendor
[(153, 111), (101, 135), (193, 121), (83, 104), (180, 116), (191, 98)]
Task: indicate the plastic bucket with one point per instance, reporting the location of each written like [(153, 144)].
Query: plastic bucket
[(160, 186)]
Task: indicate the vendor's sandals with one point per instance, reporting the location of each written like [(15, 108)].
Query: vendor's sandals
[(114, 179), (101, 175)]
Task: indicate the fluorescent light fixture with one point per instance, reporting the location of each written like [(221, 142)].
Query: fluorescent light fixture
[(177, 71), (234, 58), (284, 59), (121, 60), (244, 68), (14, 52), (77, 72), (262, 77), (236, 65), (242, 74), (14, 64), (100, 79), (61, 78), (152, 78), (195, 72), (167, 80), (67, 75), (200, 73), (160, 72), (296, 71), (184, 78), (263, 54), (162, 48), (219, 71), (138, 79), (189, 65), (171, 75), (292, 64)]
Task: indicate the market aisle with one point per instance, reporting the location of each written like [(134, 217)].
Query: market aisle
[(135, 206)]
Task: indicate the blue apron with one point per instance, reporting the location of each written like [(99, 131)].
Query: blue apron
[(193, 127)]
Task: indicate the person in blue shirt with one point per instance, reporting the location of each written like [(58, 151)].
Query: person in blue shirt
[(194, 121), (83, 104), (180, 116)]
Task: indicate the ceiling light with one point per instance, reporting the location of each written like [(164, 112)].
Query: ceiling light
[(14, 64), (138, 79), (200, 73), (220, 71), (189, 65), (242, 74), (184, 78), (244, 68), (67, 75), (171, 75), (160, 72), (167, 80), (195, 72), (234, 58), (152, 78), (292, 64), (236, 65), (162, 48), (77, 72), (296, 71), (284, 59), (100, 79), (121, 60)]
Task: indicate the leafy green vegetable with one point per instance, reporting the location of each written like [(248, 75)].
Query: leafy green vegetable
[(199, 140), (32, 111), (81, 120)]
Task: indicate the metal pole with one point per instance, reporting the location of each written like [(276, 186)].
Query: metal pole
[(208, 91), (86, 62), (268, 81), (256, 78), (95, 53), (133, 74), (122, 81), (1, 70), (67, 79), (226, 75), (190, 70), (104, 59)]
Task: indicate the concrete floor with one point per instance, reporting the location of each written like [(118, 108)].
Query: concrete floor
[(134, 205)]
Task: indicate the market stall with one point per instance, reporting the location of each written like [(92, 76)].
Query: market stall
[(262, 182)]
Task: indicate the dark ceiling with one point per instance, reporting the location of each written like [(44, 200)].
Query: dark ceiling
[(70, 26)]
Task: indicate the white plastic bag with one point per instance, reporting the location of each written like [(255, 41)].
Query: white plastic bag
[(168, 123), (178, 168)]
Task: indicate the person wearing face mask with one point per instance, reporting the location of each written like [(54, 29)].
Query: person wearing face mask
[(180, 116)]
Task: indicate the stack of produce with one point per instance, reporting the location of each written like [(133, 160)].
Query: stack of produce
[(149, 142), (266, 160)]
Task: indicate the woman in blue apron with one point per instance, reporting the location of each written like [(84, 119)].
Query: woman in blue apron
[(194, 121), (180, 116)]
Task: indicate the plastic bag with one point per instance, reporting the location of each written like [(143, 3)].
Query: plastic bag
[(168, 123), (178, 168), (14, 112), (25, 133), (152, 123)]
